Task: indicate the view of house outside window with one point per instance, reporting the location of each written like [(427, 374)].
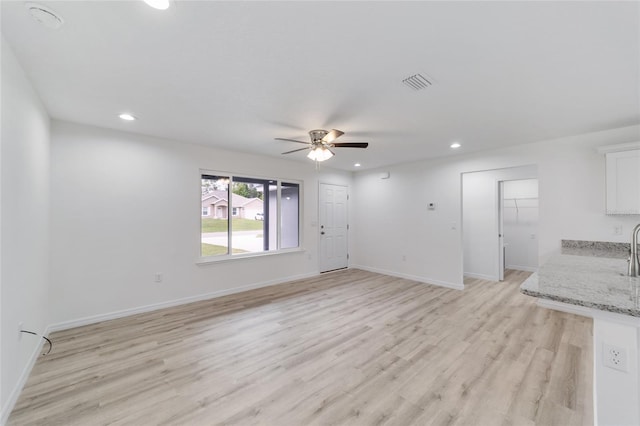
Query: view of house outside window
[(241, 215), (214, 225)]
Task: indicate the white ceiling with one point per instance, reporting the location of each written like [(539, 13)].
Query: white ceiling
[(237, 74)]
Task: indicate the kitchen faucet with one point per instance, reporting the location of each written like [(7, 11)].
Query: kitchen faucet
[(634, 259)]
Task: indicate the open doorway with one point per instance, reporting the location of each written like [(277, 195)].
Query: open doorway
[(518, 225), (488, 216)]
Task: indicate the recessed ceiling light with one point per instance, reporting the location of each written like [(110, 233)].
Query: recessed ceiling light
[(356, 165), (158, 4), (127, 117), (455, 145)]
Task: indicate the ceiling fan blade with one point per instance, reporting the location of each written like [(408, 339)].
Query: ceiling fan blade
[(332, 135), (295, 150), (292, 140), (351, 144)]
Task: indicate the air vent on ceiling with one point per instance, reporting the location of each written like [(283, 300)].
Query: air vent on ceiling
[(45, 15), (418, 82)]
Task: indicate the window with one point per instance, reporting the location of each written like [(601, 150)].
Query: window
[(214, 238), (264, 215), (205, 211)]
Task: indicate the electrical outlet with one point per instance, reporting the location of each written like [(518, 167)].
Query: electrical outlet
[(617, 230), (615, 357), (404, 257), (158, 277)]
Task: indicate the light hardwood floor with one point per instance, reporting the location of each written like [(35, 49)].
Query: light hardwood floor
[(350, 347)]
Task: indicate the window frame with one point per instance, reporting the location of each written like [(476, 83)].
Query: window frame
[(230, 256)]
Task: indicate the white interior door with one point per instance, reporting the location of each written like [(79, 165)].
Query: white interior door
[(333, 227)]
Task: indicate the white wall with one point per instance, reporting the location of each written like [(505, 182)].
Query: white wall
[(480, 219), (393, 219), (397, 235), (125, 207), (24, 225), (520, 221)]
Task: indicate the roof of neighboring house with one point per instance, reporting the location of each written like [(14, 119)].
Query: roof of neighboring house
[(219, 195), (237, 200)]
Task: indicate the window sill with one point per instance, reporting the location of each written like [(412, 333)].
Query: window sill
[(226, 258)]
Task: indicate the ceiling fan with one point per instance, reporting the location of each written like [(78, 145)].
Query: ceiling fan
[(321, 143)]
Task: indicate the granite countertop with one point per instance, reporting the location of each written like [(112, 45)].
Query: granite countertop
[(596, 249), (592, 275)]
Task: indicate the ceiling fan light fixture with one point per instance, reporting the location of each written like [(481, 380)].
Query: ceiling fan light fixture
[(320, 153), (320, 147)]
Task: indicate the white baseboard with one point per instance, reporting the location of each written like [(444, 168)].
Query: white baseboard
[(480, 276), (522, 268), (22, 380), (425, 280), (65, 325)]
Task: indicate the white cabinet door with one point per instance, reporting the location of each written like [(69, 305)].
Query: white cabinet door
[(623, 182)]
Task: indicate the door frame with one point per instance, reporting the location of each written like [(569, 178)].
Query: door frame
[(501, 254), (501, 215)]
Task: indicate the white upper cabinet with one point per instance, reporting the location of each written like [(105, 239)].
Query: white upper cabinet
[(623, 178)]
